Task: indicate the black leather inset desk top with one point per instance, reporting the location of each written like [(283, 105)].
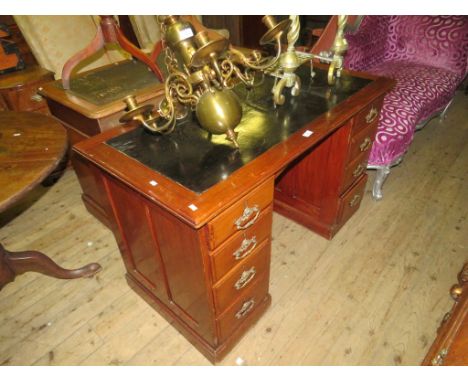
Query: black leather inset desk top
[(189, 158)]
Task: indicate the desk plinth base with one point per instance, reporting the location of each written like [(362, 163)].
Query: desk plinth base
[(96, 210), (287, 209), (213, 354), (338, 210)]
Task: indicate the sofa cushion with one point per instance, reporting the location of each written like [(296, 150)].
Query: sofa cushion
[(420, 92)]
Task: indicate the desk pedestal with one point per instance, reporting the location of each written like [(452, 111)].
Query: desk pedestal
[(324, 187)]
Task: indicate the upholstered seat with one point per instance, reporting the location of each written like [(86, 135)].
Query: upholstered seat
[(427, 56), (419, 93)]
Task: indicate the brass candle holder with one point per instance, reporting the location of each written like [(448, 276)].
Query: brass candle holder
[(289, 61)]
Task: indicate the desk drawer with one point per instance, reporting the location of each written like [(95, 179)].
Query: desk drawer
[(354, 170), (241, 245), (362, 142), (368, 116), (240, 280), (242, 309), (241, 215), (351, 200)]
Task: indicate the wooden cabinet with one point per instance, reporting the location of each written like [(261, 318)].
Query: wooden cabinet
[(193, 217), (450, 348), (20, 90)]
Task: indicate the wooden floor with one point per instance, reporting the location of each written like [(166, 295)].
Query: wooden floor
[(374, 295)]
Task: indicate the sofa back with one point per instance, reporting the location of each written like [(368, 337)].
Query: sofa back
[(440, 41)]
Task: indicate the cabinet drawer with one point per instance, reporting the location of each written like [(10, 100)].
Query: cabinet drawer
[(368, 116), (354, 170), (241, 245), (240, 279), (241, 310), (362, 142), (351, 200), (241, 215), (28, 99)]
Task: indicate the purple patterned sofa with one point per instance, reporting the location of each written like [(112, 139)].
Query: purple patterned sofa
[(427, 56)]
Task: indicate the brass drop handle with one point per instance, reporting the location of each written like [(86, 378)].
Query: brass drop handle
[(36, 97), (247, 246), (355, 200), (366, 143), (249, 216), (246, 308), (438, 360), (370, 117), (245, 278), (358, 171)]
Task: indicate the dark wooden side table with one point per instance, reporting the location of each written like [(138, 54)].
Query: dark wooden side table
[(19, 90), (450, 348), (31, 146), (192, 215)]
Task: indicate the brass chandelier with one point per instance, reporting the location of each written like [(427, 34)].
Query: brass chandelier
[(202, 71)]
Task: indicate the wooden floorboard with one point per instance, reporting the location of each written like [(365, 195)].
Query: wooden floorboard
[(374, 295)]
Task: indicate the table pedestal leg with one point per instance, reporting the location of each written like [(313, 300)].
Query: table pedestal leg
[(16, 263)]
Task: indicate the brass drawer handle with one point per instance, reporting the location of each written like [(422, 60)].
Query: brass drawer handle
[(246, 308), (247, 246), (355, 200), (245, 278), (246, 220), (358, 171), (36, 98), (438, 360), (366, 143), (373, 113)]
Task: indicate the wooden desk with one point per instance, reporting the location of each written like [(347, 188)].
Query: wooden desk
[(31, 146), (192, 217)]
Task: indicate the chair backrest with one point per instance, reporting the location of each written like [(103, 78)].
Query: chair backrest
[(440, 41), (366, 45)]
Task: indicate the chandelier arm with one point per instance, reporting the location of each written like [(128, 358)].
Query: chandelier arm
[(245, 61)]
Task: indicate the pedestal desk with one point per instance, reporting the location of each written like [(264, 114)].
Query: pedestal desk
[(192, 216)]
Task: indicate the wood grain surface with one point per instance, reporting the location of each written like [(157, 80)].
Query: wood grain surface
[(31, 146)]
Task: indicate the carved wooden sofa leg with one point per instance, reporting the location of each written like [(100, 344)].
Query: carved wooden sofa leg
[(381, 176), (443, 115), (382, 173)]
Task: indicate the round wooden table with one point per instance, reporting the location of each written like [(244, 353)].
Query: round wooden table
[(31, 147)]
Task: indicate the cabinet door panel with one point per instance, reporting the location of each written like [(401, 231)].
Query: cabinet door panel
[(136, 239)]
